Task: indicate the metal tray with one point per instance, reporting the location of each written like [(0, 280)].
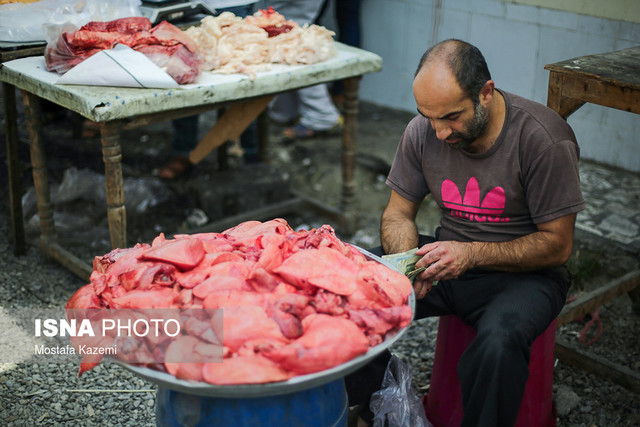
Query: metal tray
[(292, 385)]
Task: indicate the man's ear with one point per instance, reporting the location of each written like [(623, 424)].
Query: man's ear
[(486, 93)]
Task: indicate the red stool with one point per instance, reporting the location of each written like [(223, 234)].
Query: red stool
[(443, 404)]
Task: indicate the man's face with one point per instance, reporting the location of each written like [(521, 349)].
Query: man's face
[(472, 129), (454, 117)]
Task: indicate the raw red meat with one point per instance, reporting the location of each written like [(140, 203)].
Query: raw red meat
[(184, 254), (169, 35), (327, 341), (176, 60), (244, 323), (123, 25), (292, 302), (165, 44), (320, 268), (248, 369)]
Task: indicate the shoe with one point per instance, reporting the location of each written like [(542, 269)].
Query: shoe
[(300, 132), (177, 167)]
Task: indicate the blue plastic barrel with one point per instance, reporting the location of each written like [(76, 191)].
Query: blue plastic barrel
[(320, 406)]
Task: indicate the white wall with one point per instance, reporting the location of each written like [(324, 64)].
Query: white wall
[(517, 41)]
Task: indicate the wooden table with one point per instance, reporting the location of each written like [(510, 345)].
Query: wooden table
[(611, 80), (117, 109)]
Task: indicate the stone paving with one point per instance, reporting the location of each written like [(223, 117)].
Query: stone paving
[(613, 204)]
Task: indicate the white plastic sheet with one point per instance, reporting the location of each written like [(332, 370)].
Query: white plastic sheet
[(26, 22), (120, 67)]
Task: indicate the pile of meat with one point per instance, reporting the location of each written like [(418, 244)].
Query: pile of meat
[(229, 44), (294, 302), (165, 44)]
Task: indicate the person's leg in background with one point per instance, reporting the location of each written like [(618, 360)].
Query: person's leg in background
[(348, 21), (185, 130), (313, 105), (184, 139)]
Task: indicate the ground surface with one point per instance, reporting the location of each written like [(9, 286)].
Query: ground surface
[(51, 394)]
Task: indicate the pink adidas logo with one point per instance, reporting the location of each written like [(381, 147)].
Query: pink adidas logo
[(470, 207)]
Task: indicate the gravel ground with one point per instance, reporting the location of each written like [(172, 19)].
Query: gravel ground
[(52, 394)]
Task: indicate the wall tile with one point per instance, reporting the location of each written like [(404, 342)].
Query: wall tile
[(598, 26), (461, 5), (519, 12), (489, 7), (454, 24), (392, 89), (511, 59), (557, 18), (390, 43), (630, 31), (420, 23)]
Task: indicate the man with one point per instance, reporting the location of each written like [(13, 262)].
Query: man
[(504, 171)]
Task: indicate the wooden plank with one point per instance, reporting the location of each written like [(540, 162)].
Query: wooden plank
[(331, 213), (260, 214), (230, 126), (14, 170), (556, 99), (600, 366), (590, 301), (294, 204), (613, 95), (74, 264)]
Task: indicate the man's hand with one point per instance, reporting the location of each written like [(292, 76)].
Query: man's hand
[(421, 286), (549, 246), (445, 260)]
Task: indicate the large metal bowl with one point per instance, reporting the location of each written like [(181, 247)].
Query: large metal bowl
[(292, 385)]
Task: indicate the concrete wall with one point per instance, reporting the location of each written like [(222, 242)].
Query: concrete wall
[(517, 41)]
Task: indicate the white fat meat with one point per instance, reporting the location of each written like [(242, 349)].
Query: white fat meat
[(229, 44)]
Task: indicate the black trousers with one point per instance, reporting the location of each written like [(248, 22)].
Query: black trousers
[(508, 311)]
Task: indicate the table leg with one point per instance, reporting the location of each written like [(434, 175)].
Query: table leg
[(557, 101), (40, 173), (349, 148), (13, 165), (114, 183)]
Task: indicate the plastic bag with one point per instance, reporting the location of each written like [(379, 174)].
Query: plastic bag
[(22, 22), (141, 194), (396, 404)]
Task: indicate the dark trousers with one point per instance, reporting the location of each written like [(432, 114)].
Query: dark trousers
[(508, 311)]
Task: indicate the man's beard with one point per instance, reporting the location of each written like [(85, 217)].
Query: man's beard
[(474, 129)]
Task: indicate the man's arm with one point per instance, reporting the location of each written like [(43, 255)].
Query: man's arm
[(398, 230), (550, 246), (399, 233)]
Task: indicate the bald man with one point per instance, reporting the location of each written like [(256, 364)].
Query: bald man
[(504, 172)]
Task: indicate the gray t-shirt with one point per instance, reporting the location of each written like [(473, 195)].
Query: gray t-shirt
[(529, 175)]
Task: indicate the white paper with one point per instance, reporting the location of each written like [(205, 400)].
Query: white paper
[(120, 66)]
